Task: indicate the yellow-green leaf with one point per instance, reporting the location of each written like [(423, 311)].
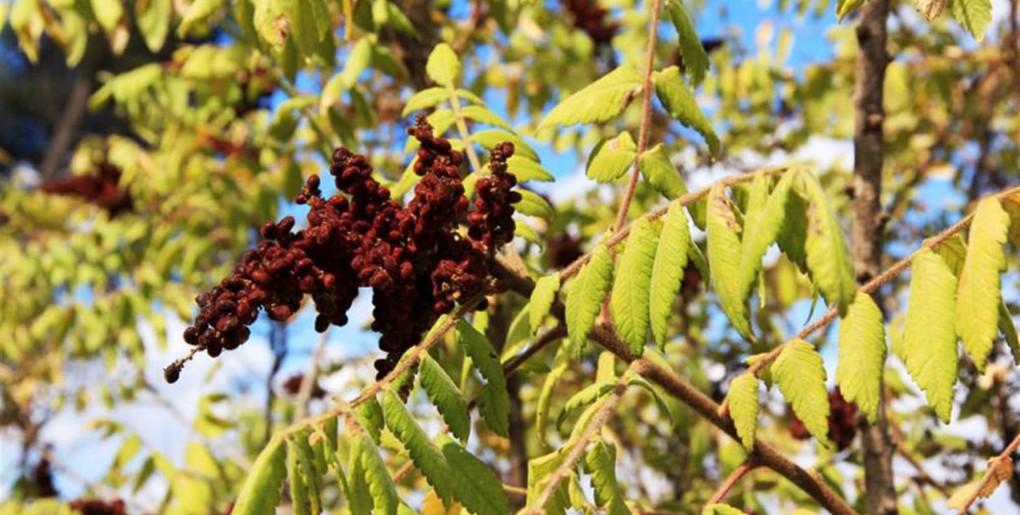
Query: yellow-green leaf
[(723, 233), (828, 256), (929, 339), (678, 99), (611, 158), (584, 297), (475, 485), (800, 374), (766, 214), (261, 490), (629, 301), (744, 407), (694, 57), (978, 295), (443, 66), (974, 15), (862, 355), (597, 102), (424, 453), (444, 394), (667, 273), (659, 171), (542, 298)]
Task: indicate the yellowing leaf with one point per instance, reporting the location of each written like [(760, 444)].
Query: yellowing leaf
[(611, 158), (599, 101), (629, 301), (723, 234), (584, 298), (978, 295), (929, 339), (974, 15), (800, 374), (862, 355), (659, 171), (678, 99), (542, 298), (261, 490), (744, 407), (443, 66), (667, 273), (828, 257)]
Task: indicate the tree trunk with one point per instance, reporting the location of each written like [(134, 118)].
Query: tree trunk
[(872, 58)]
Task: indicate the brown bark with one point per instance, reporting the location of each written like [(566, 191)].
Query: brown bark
[(872, 58)]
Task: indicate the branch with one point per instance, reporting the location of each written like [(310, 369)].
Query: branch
[(646, 114), (993, 478), (304, 395), (732, 480)]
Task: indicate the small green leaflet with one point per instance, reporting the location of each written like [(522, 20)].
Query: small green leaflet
[(828, 257), (862, 355), (678, 99), (1009, 332), (357, 62), (611, 158), (929, 338), (383, 494), (443, 66), (493, 400), (659, 171), (271, 22), (426, 455), (723, 233), (261, 490), (800, 374), (526, 169), (370, 416), (973, 15), (475, 484), (532, 204), (489, 138), (600, 464), (693, 53), (744, 407), (668, 270), (978, 294), (426, 98), (598, 102), (584, 298), (542, 298), (482, 114), (444, 394), (584, 398), (629, 301), (562, 363), (198, 12), (721, 509), (766, 214)]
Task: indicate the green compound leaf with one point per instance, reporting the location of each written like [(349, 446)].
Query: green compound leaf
[(532, 204), (444, 394), (973, 15), (424, 453), (667, 273), (493, 400), (678, 99), (929, 337), (584, 297), (600, 465), (443, 66), (261, 490), (659, 171), (475, 485), (695, 59), (828, 256), (425, 99), (744, 407), (542, 298), (862, 355), (611, 158), (598, 102), (800, 374), (978, 295), (629, 301), (723, 233)]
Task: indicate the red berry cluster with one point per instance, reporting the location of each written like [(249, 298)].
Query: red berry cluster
[(98, 507), (842, 422), (100, 188), (592, 18), (414, 259)]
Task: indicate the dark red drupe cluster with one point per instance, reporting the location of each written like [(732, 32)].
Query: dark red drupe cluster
[(101, 187), (593, 19), (842, 422), (414, 259), (98, 507)]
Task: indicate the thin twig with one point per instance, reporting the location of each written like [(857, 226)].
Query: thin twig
[(308, 383), (732, 480), (646, 114), (605, 412), (990, 474)]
